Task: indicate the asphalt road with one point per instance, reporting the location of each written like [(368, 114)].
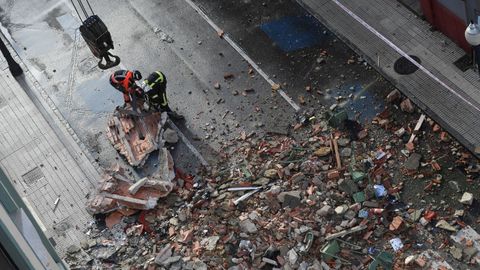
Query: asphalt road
[(291, 47), (300, 52), (45, 35)]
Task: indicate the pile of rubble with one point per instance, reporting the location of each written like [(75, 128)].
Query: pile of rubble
[(119, 192), (346, 196)]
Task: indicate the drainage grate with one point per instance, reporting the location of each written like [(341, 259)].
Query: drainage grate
[(464, 63), (32, 176), (403, 66)]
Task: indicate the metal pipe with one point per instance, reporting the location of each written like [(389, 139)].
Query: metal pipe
[(242, 188), (245, 196)]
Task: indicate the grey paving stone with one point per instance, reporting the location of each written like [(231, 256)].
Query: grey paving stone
[(28, 141)]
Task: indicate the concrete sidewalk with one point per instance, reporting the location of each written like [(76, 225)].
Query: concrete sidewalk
[(43, 160), (382, 32)]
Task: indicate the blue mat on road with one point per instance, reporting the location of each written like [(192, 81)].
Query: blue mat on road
[(294, 33)]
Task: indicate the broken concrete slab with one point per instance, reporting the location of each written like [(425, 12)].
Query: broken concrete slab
[(210, 242), (413, 161), (443, 224), (170, 136), (165, 173), (164, 254), (292, 201), (348, 186), (346, 152), (324, 211), (248, 226), (293, 193), (456, 252), (467, 198), (340, 210), (467, 234)]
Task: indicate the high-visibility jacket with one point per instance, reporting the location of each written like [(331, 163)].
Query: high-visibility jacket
[(155, 87)]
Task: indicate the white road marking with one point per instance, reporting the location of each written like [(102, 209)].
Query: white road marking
[(401, 52), (188, 144), (243, 54)]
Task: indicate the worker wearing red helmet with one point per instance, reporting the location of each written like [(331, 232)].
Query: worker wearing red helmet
[(124, 81)]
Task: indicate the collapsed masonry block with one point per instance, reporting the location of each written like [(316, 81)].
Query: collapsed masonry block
[(101, 204), (118, 190), (135, 136)]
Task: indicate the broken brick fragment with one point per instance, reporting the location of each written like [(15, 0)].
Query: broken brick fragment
[(228, 76), (333, 175), (113, 218), (420, 260), (430, 215), (444, 137), (407, 106), (435, 165), (396, 223)]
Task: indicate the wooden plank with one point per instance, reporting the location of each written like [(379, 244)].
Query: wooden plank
[(417, 128)]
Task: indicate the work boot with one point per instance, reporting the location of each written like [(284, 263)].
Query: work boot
[(175, 116)]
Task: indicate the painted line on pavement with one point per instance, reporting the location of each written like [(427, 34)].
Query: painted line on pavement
[(401, 52), (188, 144), (243, 54)]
